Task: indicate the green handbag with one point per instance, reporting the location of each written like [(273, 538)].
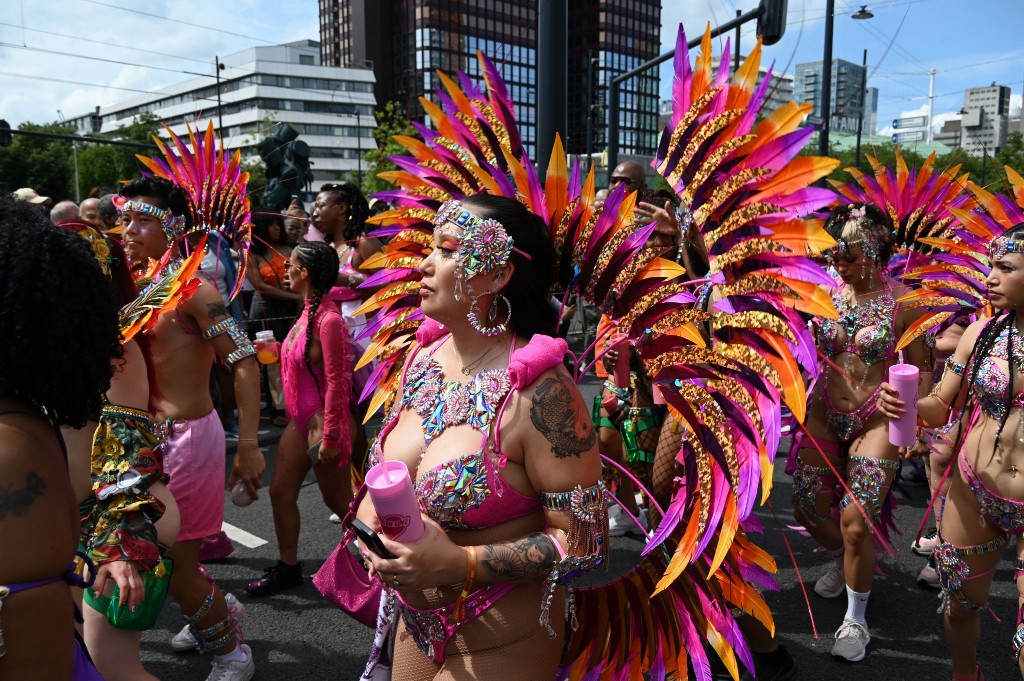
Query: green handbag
[(145, 615)]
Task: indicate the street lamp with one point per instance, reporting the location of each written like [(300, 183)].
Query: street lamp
[(826, 72), (220, 113), (863, 96)]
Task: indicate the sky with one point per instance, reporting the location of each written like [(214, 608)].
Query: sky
[(43, 42)]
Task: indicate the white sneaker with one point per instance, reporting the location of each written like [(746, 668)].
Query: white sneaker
[(929, 578), (926, 544), (335, 518), (184, 641), (232, 670), (832, 584), (852, 641)]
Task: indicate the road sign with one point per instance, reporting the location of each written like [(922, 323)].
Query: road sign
[(915, 136), (912, 122)]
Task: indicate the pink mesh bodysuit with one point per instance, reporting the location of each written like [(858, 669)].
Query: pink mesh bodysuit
[(467, 491), (302, 396)]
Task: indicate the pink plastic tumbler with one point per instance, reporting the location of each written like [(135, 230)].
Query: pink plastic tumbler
[(904, 378), (390, 488)]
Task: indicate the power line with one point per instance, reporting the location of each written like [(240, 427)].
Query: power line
[(178, 21), (73, 82), (105, 43), (102, 59)]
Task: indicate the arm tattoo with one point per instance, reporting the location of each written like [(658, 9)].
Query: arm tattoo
[(524, 560), (553, 414), (216, 311), (16, 502)]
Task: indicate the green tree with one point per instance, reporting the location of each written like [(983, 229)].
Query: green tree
[(44, 164), (391, 121), (1012, 154), (107, 165)]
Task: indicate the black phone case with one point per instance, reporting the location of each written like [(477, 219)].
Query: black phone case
[(370, 539)]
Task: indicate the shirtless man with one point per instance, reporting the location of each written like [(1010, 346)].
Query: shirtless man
[(184, 344)]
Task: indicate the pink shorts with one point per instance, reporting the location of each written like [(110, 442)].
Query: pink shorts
[(195, 460)]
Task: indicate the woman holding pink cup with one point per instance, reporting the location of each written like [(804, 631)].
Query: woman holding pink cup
[(490, 438), (983, 389), (846, 464)]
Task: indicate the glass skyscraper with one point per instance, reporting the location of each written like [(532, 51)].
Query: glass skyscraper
[(407, 41)]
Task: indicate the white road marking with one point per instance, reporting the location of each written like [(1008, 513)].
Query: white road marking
[(240, 536)]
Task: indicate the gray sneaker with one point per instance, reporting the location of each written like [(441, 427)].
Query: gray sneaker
[(184, 641), (832, 584), (852, 641)]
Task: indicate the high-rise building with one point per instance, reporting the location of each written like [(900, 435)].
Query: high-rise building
[(848, 98), (407, 41), (986, 121), (331, 109)]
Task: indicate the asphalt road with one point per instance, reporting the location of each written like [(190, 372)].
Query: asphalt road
[(299, 636)]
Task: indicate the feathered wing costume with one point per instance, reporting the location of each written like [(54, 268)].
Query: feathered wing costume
[(952, 286), (746, 191), (926, 206)]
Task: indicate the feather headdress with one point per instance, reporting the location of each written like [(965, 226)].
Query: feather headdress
[(746, 192), (215, 186)]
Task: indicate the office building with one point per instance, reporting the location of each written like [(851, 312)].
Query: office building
[(331, 109), (848, 99), (407, 41), (986, 119)]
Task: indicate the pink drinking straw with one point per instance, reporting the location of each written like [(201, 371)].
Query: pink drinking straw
[(387, 475)]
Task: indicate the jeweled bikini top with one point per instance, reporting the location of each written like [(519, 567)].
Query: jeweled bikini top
[(868, 328), (990, 381)]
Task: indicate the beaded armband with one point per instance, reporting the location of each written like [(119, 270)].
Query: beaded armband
[(243, 346), (954, 366), (587, 544)]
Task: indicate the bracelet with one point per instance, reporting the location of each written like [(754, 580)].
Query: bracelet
[(954, 366), (247, 439), (459, 612), (1018, 642)]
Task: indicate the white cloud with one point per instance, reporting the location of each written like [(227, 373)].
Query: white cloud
[(127, 37)]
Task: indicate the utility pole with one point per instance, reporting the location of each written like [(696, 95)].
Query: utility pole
[(931, 101), (863, 105), (220, 113), (736, 52), (826, 79), (984, 161), (552, 76), (359, 146)]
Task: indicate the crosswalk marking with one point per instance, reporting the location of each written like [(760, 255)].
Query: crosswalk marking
[(240, 536)]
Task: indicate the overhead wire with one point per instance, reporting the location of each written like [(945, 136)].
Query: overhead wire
[(105, 43), (178, 21)]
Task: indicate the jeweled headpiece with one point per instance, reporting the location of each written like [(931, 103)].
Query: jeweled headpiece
[(173, 225), (872, 236), (1000, 246), (484, 245)]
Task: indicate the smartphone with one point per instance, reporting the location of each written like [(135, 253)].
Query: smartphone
[(314, 453), (370, 539)]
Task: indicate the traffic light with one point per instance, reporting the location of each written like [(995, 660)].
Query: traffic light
[(771, 23), (6, 137), (287, 161)]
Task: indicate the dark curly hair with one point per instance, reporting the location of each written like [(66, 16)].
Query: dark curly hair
[(261, 241), (322, 263), (529, 289), (168, 195), (873, 227), (58, 317), (358, 208)]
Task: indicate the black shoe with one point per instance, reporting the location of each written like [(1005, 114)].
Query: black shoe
[(775, 666), (276, 578)]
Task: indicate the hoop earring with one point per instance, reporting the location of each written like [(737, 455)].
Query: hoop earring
[(492, 314)]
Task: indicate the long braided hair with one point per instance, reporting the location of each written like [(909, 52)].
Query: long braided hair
[(1005, 322), (321, 261)]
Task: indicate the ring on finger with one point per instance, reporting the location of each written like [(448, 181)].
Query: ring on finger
[(394, 581)]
